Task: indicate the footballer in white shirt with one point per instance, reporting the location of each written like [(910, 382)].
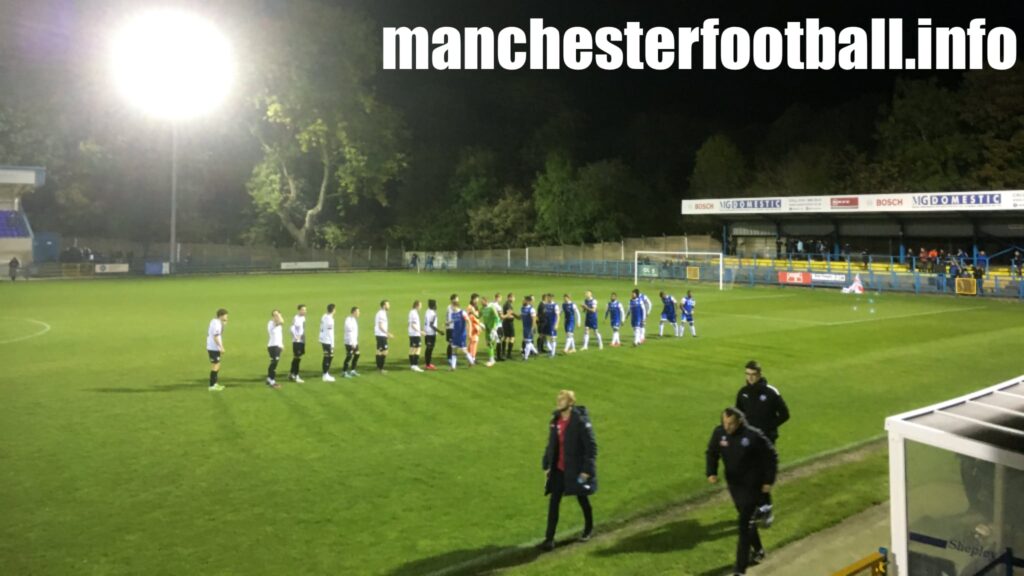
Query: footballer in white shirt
[(275, 344), (415, 337), (351, 341), (380, 331), (215, 347), (327, 342), (298, 342)]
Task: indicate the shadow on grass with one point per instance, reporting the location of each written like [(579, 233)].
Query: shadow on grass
[(200, 385), (723, 570), (673, 537), (478, 561)]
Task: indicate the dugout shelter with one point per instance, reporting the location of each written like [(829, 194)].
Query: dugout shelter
[(956, 482)]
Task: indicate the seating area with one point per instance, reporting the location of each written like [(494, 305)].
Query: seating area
[(855, 265), (13, 225)]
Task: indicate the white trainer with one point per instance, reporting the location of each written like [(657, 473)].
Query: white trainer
[(328, 377)]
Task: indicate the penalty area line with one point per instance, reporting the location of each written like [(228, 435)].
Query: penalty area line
[(45, 328)]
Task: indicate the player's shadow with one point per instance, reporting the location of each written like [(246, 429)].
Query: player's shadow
[(490, 558), (673, 537), (197, 384)]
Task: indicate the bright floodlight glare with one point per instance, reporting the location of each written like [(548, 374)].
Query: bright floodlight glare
[(172, 64)]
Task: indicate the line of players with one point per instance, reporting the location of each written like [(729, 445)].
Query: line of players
[(463, 329)]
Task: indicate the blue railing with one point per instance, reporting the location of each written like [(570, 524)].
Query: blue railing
[(753, 274)]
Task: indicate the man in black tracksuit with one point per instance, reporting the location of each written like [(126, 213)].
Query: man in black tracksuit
[(570, 463), (764, 409), (750, 467)]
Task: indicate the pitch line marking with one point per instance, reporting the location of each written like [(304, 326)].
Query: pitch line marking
[(915, 315), (46, 328)]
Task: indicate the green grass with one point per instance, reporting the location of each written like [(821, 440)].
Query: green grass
[(114, 459), (704, 542)]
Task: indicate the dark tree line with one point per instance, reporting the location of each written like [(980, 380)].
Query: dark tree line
[(320, 147)]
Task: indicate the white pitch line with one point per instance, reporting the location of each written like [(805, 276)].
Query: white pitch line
[(46, 328), (767, 318), (915, 315)]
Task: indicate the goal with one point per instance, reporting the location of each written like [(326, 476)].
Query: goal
[(691, 266)]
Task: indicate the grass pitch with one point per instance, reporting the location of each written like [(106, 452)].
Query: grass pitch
[(114, 459)]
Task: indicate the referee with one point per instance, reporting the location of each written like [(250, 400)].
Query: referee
[(750, 467)]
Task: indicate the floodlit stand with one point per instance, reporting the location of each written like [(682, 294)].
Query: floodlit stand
[(683, 256), (956, 481)]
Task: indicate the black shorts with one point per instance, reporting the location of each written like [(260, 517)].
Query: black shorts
[(351, 350), (414, 341), (431, 339), (448, 334), (298, 349), (508, 329), (382, 343), (328, 349), (214, 356), (500, 331), (274, 352)]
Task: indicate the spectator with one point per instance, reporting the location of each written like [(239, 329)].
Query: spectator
[(13, 266), (1016, 264), (979, 278), (982, 260), (800, 247)]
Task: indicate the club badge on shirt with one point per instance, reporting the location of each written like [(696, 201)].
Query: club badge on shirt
[(745, 442), (724, 443)]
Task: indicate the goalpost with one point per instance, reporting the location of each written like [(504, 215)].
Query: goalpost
[(689, 261)]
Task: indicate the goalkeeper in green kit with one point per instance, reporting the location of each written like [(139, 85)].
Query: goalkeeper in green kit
[(492, 321)]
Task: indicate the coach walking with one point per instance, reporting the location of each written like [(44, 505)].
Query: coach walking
[(750, 467), (764, 409), (570, 463)]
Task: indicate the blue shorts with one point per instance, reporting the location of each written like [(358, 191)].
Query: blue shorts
[(688, 318), (667, 317), (591, 323), (570, 328), (527, 334), (458, 340)]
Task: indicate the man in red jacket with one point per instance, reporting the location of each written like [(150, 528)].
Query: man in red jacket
[(570, 463)]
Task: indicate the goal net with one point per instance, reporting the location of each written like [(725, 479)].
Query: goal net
[(689, 266)]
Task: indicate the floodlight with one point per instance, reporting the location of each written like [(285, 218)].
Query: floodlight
[(172, 64)]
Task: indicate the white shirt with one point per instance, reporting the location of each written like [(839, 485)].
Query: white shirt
[(216, 329), (351, 331), (448, 317), (327, 329), (299, 328), (276, 338), (414, 323), (430, 319), (380, 323)]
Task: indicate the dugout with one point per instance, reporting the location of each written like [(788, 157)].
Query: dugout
[(956, 482), (15, 231), (880, 224)]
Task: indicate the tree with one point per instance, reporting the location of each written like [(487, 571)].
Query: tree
[(922, 140), (327, 142), (720, 169), (553, 192), (507, 222), (994, 111)]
